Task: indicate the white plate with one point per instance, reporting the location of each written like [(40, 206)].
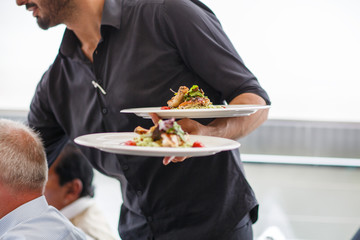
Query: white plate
[(223, 111), (113, 142)]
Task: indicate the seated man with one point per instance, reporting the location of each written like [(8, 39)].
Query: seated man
[(24, 212), (70, 190)]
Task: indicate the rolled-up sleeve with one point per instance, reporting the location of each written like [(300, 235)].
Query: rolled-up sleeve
[(41, 119), (205, 49)]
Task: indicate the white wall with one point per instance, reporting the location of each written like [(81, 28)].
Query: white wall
[(305, 53), (26, 53)]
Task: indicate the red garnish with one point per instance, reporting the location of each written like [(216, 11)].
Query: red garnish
[(165, 108), (130, 143), (197, 144)]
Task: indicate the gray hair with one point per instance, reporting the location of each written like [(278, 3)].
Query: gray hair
[(23, 164)]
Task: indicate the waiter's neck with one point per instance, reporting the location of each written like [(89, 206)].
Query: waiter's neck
[(86, 25)]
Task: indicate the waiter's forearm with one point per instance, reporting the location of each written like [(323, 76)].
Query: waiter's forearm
[(238, 127)]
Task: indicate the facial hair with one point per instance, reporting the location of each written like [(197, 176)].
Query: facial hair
[(54, 12)]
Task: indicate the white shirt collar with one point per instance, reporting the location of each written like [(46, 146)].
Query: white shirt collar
[(77, 207), (23, 213)]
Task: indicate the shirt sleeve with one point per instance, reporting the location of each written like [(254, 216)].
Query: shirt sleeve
[(41, 119), (77, 235), (12, 237), (205, 48)]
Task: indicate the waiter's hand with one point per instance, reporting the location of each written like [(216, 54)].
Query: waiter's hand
[(188, 125), (231, 127)]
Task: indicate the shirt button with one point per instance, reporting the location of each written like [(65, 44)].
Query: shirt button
[(150, 219), (104, 111), (125, 167), (96, 52), (139, 193)]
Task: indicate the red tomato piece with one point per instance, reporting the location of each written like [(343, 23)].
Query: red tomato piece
[(130, 143), (197, 144), (165, 108)]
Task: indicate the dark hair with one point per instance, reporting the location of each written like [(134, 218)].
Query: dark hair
[(72, 165)]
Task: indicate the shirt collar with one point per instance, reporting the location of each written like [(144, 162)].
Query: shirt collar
[(111, 13), (110, 17), (21, 214), (69, 43), (77, 207)]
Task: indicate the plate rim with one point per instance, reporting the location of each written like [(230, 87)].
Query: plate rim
[(233, 110), (156, 151), (230, 107)]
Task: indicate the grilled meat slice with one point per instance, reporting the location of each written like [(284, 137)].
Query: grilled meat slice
[(156, 133), (195, 102), (176, 100), (141, 130), (170, 140)]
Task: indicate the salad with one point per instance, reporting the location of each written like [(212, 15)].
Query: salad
[(186, 98), (167, 133)]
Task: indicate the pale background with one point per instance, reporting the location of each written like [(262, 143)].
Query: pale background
[(306, 54)]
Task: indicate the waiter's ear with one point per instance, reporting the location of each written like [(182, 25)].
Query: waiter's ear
[(73, 190)]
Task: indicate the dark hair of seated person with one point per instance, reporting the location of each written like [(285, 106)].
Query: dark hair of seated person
[(73, 165)]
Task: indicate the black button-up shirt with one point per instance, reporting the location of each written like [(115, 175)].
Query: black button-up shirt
[(147, 48)]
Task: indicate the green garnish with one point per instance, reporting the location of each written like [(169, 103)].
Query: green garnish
[(172, 127), (194, 91), (176, 129)]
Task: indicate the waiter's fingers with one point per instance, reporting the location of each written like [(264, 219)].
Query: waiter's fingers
[(167, 160), (154, 117)]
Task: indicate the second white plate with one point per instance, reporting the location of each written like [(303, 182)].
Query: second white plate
[(113, 142)]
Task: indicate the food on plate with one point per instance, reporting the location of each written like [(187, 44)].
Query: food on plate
[(186, 98), (167, 133)]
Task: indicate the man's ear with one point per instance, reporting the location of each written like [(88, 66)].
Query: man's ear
[(73, 190)]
